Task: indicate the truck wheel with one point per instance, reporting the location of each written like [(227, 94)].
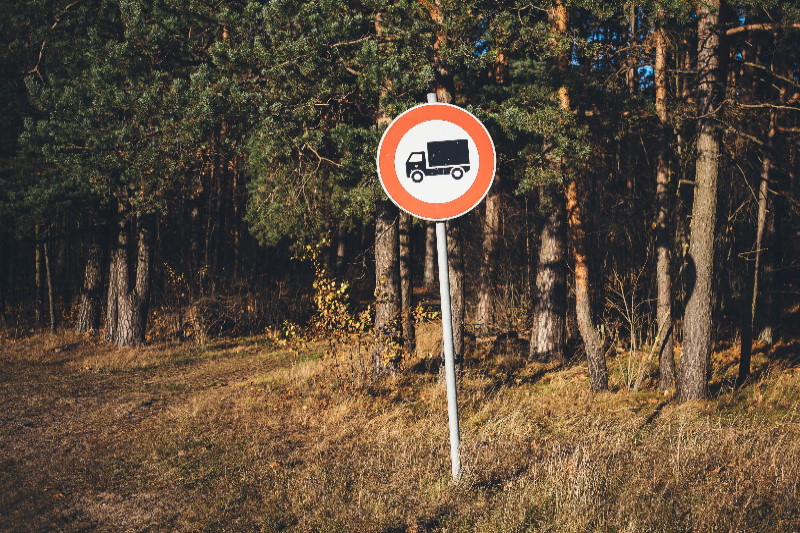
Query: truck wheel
[(417, 176), (457, 173)]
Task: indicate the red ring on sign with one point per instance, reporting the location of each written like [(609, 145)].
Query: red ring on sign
[(391, 182)]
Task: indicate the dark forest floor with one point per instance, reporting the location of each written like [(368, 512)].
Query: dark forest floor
[(248, 435)]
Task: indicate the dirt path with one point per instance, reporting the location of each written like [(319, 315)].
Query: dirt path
[(64, 431)]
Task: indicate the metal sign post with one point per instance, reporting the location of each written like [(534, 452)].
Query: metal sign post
[(447, 341), (436, 162), (449, 355)]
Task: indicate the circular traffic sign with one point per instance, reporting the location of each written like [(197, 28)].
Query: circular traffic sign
[(436, 161)]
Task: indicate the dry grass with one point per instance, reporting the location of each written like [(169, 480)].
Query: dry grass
[(239, 436)]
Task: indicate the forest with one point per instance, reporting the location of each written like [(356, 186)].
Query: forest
[(188, 183)]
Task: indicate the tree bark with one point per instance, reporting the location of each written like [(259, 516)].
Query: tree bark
[(387, 325), (697, 321), (663, 244), (550, 291), (117, 268), (598, 373), (133, 303), (484, 315), (429, 267), (128, 303), (388, 332), (455, 262), (341, 249), (406, 284), (89, 300)]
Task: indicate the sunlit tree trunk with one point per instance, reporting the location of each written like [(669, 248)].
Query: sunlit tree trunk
[(550, 290), (663, 240), (128, 303), (406, 284), (117, 266), (89, 301), (388, 331), (134, 301), (429, 266), (387, 325), (484, 315), (697, 322), (598, 373), (341, 248), (455, 254)]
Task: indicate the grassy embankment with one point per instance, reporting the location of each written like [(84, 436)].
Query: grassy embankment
[(247, 435)]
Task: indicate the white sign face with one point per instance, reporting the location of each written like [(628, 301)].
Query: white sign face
[(431, 176), (436, 161)]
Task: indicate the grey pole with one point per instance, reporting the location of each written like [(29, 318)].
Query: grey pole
[(447, 341)]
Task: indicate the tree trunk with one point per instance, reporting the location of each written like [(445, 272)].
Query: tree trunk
[(598, 374), (550, 291), (487, 293), (134, 303), (89, 299), (388, 332), (631, 76), (128, 305), (38, 275), (117, 275), (5, 270), (198, 269), (664, 336), (484, 315), (455, 262), (429, 268), (697, 321), (761, 308), (763, 227), (406, 284), (49, 275), (341, 249)]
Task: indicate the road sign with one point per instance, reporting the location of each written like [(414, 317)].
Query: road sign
[(436, 161)]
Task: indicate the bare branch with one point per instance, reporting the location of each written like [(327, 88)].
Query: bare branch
[(57, 19), (772, 106), (761, 27), (321, 158), (767, 69)]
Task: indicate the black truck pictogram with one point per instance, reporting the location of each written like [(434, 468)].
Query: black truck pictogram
[(443, 157)]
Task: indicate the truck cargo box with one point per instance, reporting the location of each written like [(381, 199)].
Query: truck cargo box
[(448, 153)]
